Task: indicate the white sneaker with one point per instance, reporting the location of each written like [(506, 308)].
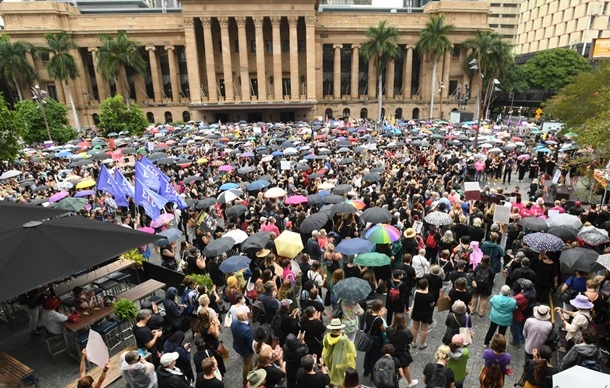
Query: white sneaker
[(413, 383)]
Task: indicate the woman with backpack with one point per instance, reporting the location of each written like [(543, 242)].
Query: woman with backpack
[(437, 375), (401, 337), (497, 360), (482, 284), (456, 319), (374, 326), (458, 359), (431, 241), (502, 308)]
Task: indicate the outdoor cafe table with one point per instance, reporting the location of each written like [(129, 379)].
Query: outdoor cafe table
[(13, 371)]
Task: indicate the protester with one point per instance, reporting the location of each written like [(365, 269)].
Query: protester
[(538, 373), (458, 359), (501, 317), (423, 308), (85, 381), (401, 338), (496, 363), (169, 375), (242, 343), (138, 372), (374, 325), (338, 352), (438, 374)]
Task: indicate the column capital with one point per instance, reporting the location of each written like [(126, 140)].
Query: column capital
[(310, 20), (92, 49), (293, 21), (409, 47), (150, 48), (188, 22), (258, 21), (223, 21), (169, 48), (206, 21), (356, 46), (241, 21), (337, 46), (275, 21)]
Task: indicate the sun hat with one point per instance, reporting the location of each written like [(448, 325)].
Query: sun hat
[(409, 233), (263, 253), (542, 312), (260, 333), (495, 227), (435, 270), (256, 378), (335, 324), (168, 358), (581, 302)]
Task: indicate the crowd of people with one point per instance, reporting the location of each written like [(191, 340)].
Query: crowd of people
[(287, 323)]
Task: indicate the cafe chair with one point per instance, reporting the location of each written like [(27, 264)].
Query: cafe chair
[(122, 278), (108, 286), (67, 301), (126, 332), (111, 334), (30, 380), (80, 341), (56, 343)]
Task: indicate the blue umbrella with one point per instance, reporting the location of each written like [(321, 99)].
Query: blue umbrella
[(229, 186), (277, 153), (63, 154), (309, 157), (354, 246), (234, 264), (257, 185), (168, 236)]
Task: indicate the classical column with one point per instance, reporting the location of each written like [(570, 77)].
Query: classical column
[(355, 71), (226, 57), (294, 57), (310, 54), (155, 73), (277, 57), (244, 70), (407, 72), (372, 88), (84, 83), (30, 58), (389, 80), (337, 72), (192, 60), (260, 57), (140, 85), (174, 73), (210, 68), (446, 70), (101, 90)]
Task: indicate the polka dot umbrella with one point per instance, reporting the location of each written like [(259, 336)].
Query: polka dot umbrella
[(544, 242)]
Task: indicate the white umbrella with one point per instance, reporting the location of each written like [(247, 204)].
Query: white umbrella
[(237, 234), (577, 376), (564, 219), (485, 145), (230, 195), (290, 151), (275, 192), (494, 150), (10, 174)]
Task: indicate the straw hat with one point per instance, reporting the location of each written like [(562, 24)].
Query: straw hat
[(335, 324), (263, 253), (409, 233)]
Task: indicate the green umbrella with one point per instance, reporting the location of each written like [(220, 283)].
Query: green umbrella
[(352, 289), (372, 259), (72, 204)]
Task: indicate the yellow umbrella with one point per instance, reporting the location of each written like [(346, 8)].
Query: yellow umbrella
[(202, 160), (288, 244), (88, 182)]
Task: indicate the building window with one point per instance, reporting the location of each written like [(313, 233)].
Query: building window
[(269, 45), (456, 51), (453, 85), (285, 45), (415, 115), (328, 113), (221, 86), (346, 113), (168, 117), (52, 91), (44, 57), (301, 46), (186, 116), (364, 113), (150, 117), (253, 46), (398, 113), (286, 86)]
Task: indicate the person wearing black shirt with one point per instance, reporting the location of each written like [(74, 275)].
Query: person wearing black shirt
[(274, 374), (146, 338), (396, 285), (308, 377), (409, 277), (207, 378), (442, 356), (294, 350), (314, 330)]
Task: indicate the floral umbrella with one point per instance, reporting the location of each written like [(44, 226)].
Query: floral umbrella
[(438, 218), (544, 242), (382, 234), (593, 236)]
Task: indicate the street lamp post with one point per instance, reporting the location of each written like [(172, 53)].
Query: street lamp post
[(38, 95), (440, 95), (475, 65)]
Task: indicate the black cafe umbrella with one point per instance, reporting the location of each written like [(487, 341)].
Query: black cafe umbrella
[(256, 241), (71, 245), (236, 211), (376, 215), (218, 247), (314, 222), (371, 177), (534, 223), (333, 198), (341, 189), (580, 259)]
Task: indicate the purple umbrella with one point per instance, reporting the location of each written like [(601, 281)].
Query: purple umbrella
[(84, 193), (544, 242), (58, 196)]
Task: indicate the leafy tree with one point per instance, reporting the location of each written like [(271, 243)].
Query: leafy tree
[(433, 40), (9, 132), (115, 56), (551, 70), (115, 116), (512, 79), (14, 66), (382, 48), (62, 64), (35, 131)]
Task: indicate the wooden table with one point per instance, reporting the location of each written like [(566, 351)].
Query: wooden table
[(14, 371), (134, 294)]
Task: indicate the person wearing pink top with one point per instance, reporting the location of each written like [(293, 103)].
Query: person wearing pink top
[(479, 167), (271, 227), (558, 207), (527, 211)]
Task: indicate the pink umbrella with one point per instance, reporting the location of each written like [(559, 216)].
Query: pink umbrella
[(58, 196), (148, 230), (225, 167), (523, 157), (295, 200), (163, 218)]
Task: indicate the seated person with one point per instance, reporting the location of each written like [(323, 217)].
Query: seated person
[(81, 300), (51, 316)]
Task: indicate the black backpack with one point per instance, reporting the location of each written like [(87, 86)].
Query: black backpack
[(483, 276), (438, 379), (384, 373), (259, 311), (276, 325)]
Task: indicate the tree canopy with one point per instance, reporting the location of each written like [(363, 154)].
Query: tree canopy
[(30, 117), (14, 66), (554, 69), (116, 117), (10, 132)]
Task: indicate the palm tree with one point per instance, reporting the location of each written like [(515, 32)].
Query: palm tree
[(381, 47), (433, 40), (491, 53), (14, 66), (115, 56), (62, 65)]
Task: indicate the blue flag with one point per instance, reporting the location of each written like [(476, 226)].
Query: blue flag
[(154, 169), (168, 192), (124, 184), (106, 183), (146, 177), (149, 200)]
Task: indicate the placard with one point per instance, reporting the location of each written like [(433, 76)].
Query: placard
[(285, 165), (556, 176), (443, 304), (206, 222), (553, 213), (472, 191), (502, 214), (97, 351), (417, 226)]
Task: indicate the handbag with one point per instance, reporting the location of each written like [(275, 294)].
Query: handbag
[(466, 332), (228, 319), (337, 310), (74, 317), (222, 351), (365, 340)]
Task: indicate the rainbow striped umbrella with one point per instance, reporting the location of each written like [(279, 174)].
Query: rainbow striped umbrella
[(358, 204), (382, 234)]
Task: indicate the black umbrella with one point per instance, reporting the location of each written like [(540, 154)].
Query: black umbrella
[(42, 188), (378, 169), (157, 155), (83, 162), (71, 245), (218, 246), (206, 203), (192, 179), (256, 241), (371, 177), (580, 259), (341, 189), (165, 161), (246, 170), (566, 233), (102, 156), (333, 198), (344, 207), (302, 167), (376, 215), (534, 223), (128, 151), (314, 222), (314, 199), (236, 211)]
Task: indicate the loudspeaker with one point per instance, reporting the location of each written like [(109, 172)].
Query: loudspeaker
[(562, 193)]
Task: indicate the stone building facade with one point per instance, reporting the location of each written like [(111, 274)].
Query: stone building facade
[(257, 60)]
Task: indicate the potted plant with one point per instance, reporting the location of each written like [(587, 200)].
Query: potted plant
[(134, 256), (201, 279), (125, 310)]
